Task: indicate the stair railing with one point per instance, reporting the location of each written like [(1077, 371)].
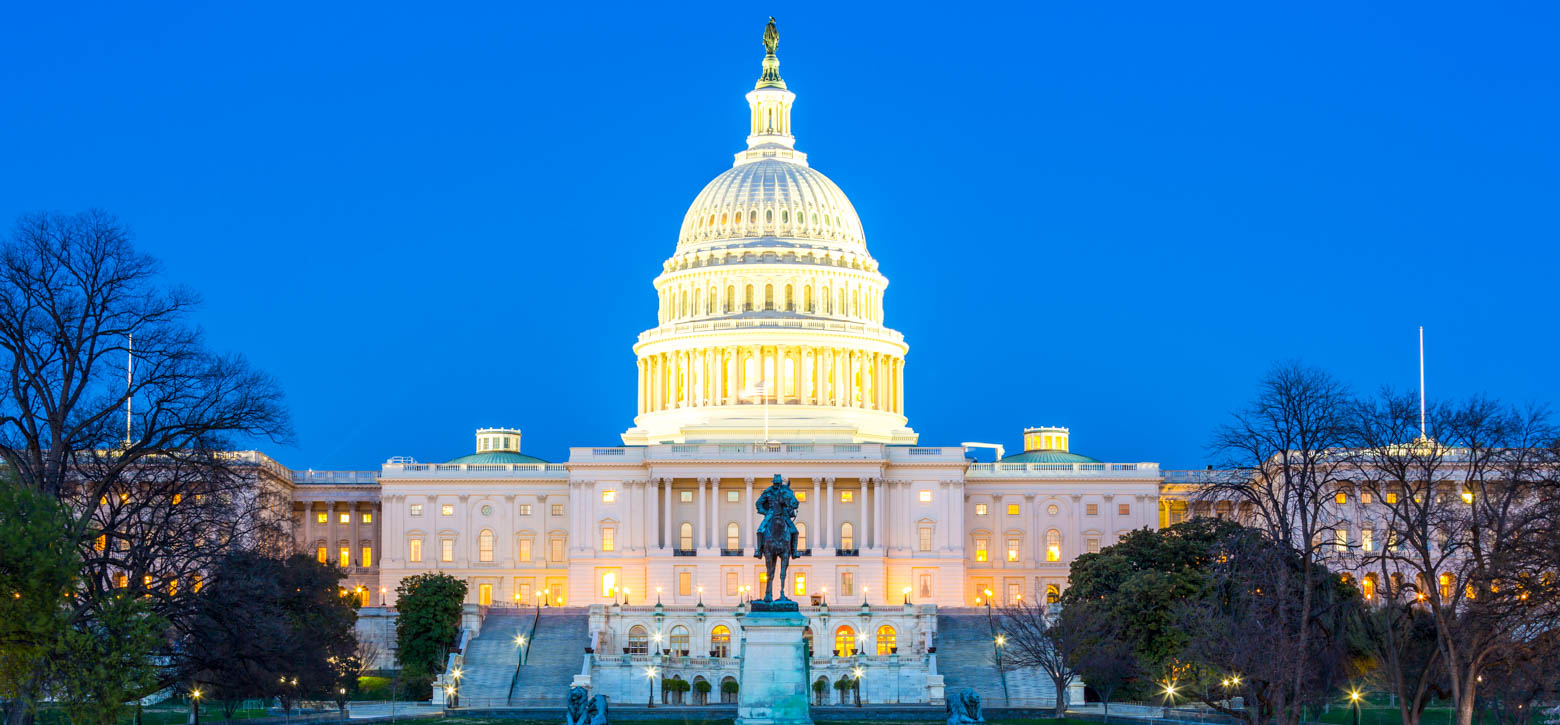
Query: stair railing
[(524, 654)]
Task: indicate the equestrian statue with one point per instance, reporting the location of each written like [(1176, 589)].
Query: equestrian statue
[(776, 541)]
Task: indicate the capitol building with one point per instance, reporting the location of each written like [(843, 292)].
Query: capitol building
[(769, 352)]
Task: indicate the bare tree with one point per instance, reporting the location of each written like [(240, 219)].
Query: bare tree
[(1469, 509), (1285, 454), (1034, 638), (141, 460)]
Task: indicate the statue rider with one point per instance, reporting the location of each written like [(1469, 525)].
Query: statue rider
[(777, 500)]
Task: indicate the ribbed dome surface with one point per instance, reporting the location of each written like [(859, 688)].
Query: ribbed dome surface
[(497, 457), (772, 198), (1048, 457)]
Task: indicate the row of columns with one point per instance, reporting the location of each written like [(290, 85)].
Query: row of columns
[(838, 377), (822, 530)]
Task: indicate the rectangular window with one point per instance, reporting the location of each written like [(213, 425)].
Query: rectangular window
[(980, 509), (368, 556), (609, 496), (925, 496), (733, 496), (847, 496), (1091, 509), (1093, 545), (848, 583), (801, 496), (322, 554), (415, 551), (321, 517), (926, 538), (525, 550), (485, 546), (524, 588), (368, 518), (1012, 549), (1123, 509), (685, 496), (447, 550), (557, 549), (980, 550), (416, 509), (608, 539), (344, 518), (447, 510), (1341, 539), (1391, 497), (684, 583), (926, 586), (1366, 539), (801, 585), (731, 584), (609, 584), (485, 595), (557, 509), (1365, 497), (1341, 498), (1012, 509), (525, 509), (346, 557)]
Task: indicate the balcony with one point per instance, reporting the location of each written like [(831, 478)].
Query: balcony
[(1142, 471), (847, 552), (685, 552), (731, 552)]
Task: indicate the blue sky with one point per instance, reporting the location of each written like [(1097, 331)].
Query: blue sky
[(425, 218)]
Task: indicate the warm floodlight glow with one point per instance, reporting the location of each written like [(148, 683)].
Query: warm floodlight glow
[(1001, 640), (1354, 695)]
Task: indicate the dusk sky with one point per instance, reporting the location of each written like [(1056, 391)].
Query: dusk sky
[(427, 218)]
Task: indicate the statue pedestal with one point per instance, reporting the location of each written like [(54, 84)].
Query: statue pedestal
[(774, 671)]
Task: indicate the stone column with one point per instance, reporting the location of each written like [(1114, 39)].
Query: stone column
[(866, 529), (700, 513), (666, 513), (828, 512), (817, 522), (877, 514), (747, 508), (716, 532)]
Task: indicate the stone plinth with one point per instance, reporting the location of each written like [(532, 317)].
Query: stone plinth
[(774, 671)]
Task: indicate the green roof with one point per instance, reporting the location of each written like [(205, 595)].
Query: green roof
[(497, 457), (1047, 457)]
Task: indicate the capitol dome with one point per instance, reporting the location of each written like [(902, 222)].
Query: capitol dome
[(772, 197)]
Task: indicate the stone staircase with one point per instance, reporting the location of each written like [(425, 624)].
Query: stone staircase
[(965, 659), (556, 655)]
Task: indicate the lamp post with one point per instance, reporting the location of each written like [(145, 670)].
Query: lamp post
[(906, 592), (195, 703), (650, 678), (1354, 699)]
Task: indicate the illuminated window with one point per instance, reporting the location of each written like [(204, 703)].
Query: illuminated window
[(980, 549), (1123, 509), (887, 640), (732, 584), (733, 496), (733, 536), (801, 535), (346, 557), (556, 545), (416, 509), (321, 517), (1391, 497), (1052, 594), (178, 498), (322, 554), (1341, 539), (1091, 509), (801, 585), (1052, 509), (847, 536), (415, 550), (925, 543), (980, 509), (557, 509), (368, 518), (1446, 586), (685, 536), (485, 545), (195, 586), (485, 595), (609, 584), (608, 496), (344, 518), (608, 539), (1368, 587), (1366, 537), (847, 496), (446, 550), (720, 641), (1012, 509), (844, 641), (679, 638), (525, 509), (1053, 545), (1341, 497), (684, 583), (1092, 545), (638, 640), (1012, 549), (368, 556), (447, 510), (121, 580), (1365, 497), (925, 496), (801, 496), (525, 549), (100, 543), (685, 496)]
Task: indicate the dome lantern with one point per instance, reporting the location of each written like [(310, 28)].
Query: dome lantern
[(769, 106)]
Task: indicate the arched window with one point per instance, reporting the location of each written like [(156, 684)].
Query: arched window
[(1053, 545), (844, 641), (1368, 587), (1446, 586), (887, 640), (847, 536), (748, 304), (720, 641), (733, 536), (807, 298), (769, 296), (769, 216), (698, 301), (685, 536), (638, 640), (785, 216), (801, 535), (680, 639), (485, 545), (1052, 594), (722, 218), (790, 301), (753, 217), (731, 297), (815, 218)]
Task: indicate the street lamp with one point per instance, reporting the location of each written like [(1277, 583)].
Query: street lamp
[(907, 595), (657, 595), (195, 699), (1354, 699), (856, 675), (650, 696)]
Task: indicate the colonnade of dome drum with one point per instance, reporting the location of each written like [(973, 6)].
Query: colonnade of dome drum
[(795, 374), (730, 292)]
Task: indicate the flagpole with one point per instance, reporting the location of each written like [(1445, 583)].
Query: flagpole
[(129, 384), (1422, 382)]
